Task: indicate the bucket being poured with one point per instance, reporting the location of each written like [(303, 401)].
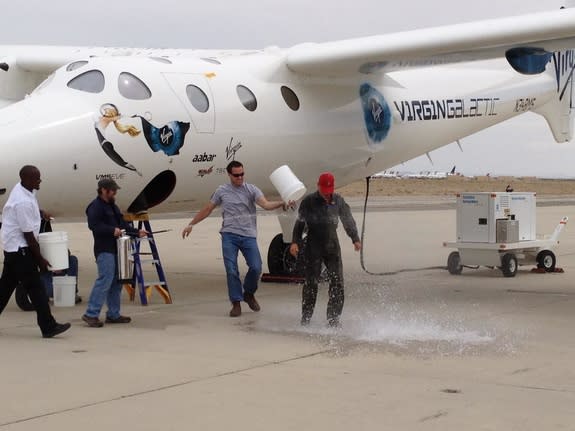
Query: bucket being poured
[(64, 291), (54, 248), (287, 184)]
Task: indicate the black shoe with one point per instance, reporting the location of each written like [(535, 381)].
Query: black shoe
[(121, 319), (78, 299), (92, 322), (57, 330)]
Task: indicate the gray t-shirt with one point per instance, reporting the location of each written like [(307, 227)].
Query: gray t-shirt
[(238, 208)]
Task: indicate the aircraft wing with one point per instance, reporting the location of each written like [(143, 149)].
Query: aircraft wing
[(480, 40)]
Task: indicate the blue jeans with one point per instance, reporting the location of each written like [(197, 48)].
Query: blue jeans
[(72, 271), (106, 288), (231, 245)]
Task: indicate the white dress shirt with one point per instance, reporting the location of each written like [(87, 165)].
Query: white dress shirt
[(21, 214)]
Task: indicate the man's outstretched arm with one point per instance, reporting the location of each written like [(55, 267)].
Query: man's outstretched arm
[(200, 216)]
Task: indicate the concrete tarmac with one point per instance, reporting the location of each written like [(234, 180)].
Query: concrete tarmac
[(419, 350)]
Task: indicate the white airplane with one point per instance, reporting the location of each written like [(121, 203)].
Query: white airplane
[(165, 123)]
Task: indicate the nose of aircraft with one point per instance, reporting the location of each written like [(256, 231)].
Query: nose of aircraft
[(45, 132)]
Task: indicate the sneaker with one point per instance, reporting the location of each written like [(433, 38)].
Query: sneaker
[(250, 299), (121, 319), (236, 310), (92, 322), (57, 330)]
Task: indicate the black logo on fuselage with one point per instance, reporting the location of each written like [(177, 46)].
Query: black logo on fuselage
[(564, 63), (232, 149), (199, 158)]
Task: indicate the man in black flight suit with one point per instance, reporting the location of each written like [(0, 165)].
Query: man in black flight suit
[(320, 212)]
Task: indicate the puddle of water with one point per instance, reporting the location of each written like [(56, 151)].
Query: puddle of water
[(376, 317), (403, 332)]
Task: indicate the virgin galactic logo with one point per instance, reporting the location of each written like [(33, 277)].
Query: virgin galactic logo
[(376, 114)]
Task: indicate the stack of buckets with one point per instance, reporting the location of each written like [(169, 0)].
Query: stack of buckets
[(54, 248)]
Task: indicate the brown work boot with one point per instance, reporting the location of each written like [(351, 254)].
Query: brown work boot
[(121, 319), (92, 322), (250, 299), (236, 310)]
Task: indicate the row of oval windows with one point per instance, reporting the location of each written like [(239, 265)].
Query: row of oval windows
[(133, 88)]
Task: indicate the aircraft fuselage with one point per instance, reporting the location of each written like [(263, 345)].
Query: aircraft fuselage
[(192, 116)]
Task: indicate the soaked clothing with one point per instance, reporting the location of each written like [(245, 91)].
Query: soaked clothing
[(322, 219)]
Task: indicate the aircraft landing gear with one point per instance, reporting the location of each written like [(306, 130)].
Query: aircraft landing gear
[(22, 299), (280, 261)]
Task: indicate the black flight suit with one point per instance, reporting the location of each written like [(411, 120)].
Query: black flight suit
[(321, 219)]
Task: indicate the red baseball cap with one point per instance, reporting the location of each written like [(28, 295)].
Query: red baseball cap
[(326, 183)]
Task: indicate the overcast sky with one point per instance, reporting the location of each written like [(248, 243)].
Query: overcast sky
[(523, 146)]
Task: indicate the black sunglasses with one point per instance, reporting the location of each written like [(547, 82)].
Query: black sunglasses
[(238, 175)]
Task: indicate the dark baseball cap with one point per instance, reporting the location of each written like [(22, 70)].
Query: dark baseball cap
[(108, 184)]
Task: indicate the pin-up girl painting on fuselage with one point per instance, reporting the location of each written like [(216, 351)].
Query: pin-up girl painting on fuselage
[(168, 139), (109, 114)]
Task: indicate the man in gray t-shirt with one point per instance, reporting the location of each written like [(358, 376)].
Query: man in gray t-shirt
[(239, 230)]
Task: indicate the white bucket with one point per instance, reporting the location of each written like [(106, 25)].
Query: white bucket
[(64, 291), (287, 184), (54, 248)]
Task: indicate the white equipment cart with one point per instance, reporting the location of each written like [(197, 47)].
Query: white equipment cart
[(499, 230)]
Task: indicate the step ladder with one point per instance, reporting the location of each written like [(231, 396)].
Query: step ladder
[(139, 283)]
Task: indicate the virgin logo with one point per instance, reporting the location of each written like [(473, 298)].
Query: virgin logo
[(166, 135), (376, 111)]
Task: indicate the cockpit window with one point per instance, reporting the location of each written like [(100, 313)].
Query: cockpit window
[(132, 87), (92, 82), (76, 65)]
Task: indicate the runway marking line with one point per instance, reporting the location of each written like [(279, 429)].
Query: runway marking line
[(167, 387)]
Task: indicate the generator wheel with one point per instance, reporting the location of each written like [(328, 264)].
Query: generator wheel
[(454, 265), (546, 260), (509, 265), (22, 299)]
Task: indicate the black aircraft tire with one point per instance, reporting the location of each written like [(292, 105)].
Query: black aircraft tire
[(275, 255), (280, 261), (22, 299)]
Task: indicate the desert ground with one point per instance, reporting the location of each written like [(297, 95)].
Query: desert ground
[(449, 187)]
